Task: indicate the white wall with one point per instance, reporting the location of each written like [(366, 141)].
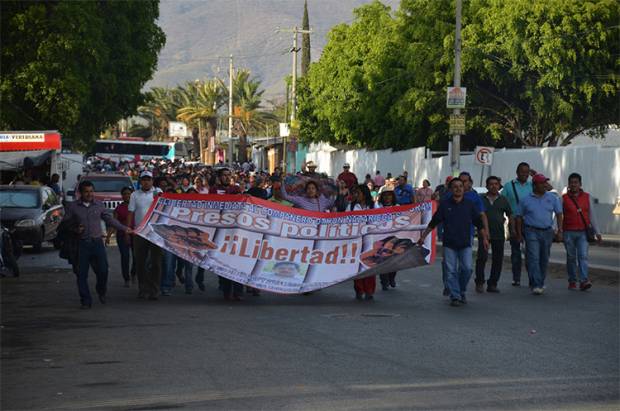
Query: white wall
[(599, 167)]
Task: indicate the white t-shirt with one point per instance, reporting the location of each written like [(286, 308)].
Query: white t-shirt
[(140, 202)]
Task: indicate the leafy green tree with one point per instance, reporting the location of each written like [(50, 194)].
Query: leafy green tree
[(537, 72), (542, 72), (76, 66)]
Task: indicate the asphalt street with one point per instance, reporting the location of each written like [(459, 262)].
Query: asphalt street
[(407, 350)]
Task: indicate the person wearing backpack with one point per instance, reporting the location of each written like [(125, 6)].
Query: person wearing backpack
[(579, 228), (515, 191)]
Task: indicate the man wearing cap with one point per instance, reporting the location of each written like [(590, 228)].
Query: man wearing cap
[(514, 192), (535, 225), (139, 204), (347, 176)]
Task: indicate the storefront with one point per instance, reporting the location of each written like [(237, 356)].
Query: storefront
[(29, 156)]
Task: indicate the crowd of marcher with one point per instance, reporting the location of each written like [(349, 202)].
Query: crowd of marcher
[(534, 213)]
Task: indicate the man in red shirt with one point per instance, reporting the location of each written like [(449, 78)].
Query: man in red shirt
[(578, 216), (348, 177)]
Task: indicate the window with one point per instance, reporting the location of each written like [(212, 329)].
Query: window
[(19, 199)]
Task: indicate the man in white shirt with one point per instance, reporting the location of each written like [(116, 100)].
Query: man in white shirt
[(139, 204)]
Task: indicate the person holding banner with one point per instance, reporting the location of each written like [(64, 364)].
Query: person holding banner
[(387, 199), (458, 215), (314, 200), (362, 200), (231, 290), (139, 204)]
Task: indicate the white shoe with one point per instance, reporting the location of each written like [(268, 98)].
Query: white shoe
[(538, 291)]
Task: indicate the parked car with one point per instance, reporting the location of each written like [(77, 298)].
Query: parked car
[(31, 213), (108, 187)]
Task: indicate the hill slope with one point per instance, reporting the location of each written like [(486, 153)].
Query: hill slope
[(202, 34)]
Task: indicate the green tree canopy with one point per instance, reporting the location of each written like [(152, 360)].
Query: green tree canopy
[(537, 72), (75, 66)]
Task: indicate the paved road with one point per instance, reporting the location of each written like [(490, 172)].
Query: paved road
[(408, 350)]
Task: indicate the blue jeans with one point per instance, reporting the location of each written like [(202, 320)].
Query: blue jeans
[(537, 249), (576, 244), (458, 271), (168, 270), (189, 276), (92, 252)]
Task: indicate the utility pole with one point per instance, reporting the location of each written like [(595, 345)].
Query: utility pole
[(455, 158), (230, 111), (294, 50)]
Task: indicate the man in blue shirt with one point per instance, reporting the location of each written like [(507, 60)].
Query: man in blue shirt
[(514, 192), (535, 224), (403, 191), (458, 214)]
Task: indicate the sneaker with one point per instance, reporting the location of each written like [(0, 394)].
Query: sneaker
[(516, 284), (446, 292), (455, 303), (538, 291), (393, 283), (201, 286), (492, 289), (385, 287), (479, 288), (369, 297), (585, 285), (463, 300), (358, 296), (166, 293), (572, 285)]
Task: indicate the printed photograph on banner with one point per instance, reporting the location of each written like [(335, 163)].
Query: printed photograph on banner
[(283, 264), (279, 276), (333, 261), (189, 243), (237, 251)]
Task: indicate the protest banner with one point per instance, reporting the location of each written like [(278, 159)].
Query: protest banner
[(287, 250)]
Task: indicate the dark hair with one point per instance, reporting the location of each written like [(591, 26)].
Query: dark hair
[(367, 196), (454, 180), (523, 164), (124, 189), (316, 185), (466, 173), (384, 194), (84, 184), (489, 178), (221, 171), (574, 175)]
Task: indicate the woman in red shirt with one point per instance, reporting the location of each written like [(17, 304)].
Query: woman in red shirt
[(121, 213)]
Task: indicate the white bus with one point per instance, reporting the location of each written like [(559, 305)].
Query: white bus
[(137, 150)]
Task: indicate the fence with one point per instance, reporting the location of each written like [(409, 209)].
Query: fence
[(599, 167)]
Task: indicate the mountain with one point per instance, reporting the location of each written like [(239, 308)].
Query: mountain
[(202, 34)]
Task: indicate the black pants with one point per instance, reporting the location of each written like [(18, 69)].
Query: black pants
[(497, 248), (230, 288), (387, 278)]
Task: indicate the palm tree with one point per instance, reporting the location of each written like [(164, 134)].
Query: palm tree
[(159, 109), (248, 116), (199, 102)]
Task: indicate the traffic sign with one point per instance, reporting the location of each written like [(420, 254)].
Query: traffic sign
[(457, 124), (456, 97), (484, 155)]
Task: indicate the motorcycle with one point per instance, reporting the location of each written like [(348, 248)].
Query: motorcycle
[(10, 250)]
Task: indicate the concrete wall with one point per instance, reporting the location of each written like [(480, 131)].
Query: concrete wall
[(599, 167)]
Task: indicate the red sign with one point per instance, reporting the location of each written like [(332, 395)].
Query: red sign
[(29, 140)]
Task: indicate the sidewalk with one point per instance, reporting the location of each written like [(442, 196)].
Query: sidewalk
[(604, 257)]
